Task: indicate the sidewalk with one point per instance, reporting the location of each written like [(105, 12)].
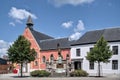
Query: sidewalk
[(10, 75), (27, 77)]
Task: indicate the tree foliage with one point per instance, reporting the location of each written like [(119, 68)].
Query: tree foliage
[(100, 53), (20, 51)]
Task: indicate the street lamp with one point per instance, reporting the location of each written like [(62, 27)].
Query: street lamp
[(51, 62), (47, 64)]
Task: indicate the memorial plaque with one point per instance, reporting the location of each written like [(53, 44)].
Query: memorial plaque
[(60, 66)]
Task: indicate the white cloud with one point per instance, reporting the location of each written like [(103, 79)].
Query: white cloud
[(18, 21), (4, 47), (3, 44), (59, 3), (3, 51), (20, 14), (12, 23), (75, 36), (77, 31), (67, 24), (80, 26)]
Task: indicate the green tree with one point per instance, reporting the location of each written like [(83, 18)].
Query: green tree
[(20, 52), (100, 53)]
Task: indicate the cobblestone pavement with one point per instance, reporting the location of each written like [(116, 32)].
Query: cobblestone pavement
[(15, 77)]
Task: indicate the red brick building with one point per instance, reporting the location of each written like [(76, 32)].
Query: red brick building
[(51, 53)]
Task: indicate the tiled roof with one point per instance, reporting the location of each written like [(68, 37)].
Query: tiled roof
[(46, 42), (40, 36), (111, 35), (51, 44)]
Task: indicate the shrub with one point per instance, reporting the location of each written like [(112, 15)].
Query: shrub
[(78, 73), (39, 73)]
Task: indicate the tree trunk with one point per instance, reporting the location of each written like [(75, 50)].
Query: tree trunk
[(99, 69), (21, 69)]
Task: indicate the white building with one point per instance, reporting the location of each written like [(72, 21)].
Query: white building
[(80, 48)]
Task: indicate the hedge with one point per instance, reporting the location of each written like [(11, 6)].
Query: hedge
[(78, 73), (39, 73)]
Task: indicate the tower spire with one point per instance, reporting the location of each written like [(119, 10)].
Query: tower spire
[(29, 22)]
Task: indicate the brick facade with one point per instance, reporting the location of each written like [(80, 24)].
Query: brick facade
[(40, 53), (28, 35)]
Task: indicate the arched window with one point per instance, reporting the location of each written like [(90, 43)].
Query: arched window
[(36, 63), (43, 59), (37, 55)]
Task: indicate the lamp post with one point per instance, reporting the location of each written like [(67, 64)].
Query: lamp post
[(67, 68), (51, 64), (47, 65)]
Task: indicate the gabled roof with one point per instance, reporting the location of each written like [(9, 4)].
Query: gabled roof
[(40, 36), (111, 35), (37, 35), (51, 44), (44, 41)]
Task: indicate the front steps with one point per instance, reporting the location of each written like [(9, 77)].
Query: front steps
[(58, 74)]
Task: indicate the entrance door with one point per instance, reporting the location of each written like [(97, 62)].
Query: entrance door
[(25, 67), (77, 65)]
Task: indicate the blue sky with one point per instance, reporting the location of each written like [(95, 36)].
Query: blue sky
[(57, 18)]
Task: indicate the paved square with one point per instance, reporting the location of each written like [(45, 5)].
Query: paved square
[(15, 77)]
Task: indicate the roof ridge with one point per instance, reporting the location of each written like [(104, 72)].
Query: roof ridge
[(46, 40), (62, 38), (43, 33), (104, 29), (52, 39), (110, 34)]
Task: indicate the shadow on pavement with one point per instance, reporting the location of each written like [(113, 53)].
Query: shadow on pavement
[(20, 76)]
